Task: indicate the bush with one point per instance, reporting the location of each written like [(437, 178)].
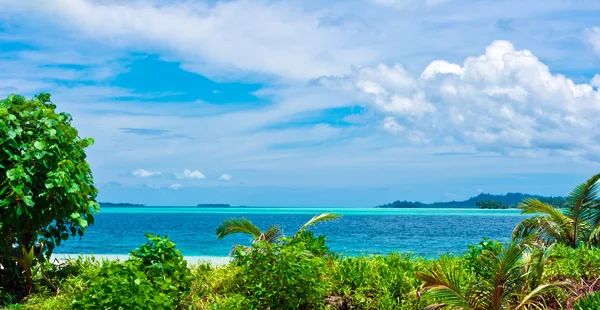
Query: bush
[(47, 193), (155, 277), (376, 282), (281, 275), (316, 245)]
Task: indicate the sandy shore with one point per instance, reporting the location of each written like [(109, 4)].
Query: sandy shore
[(214, 260)]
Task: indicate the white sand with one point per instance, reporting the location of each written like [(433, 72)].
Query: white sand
[(214, 260)]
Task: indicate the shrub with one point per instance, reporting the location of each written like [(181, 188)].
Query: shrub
[(281, 275), (47, 192), (316, 245), (155, 277)]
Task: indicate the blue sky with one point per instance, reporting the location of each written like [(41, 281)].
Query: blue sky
[(316, 103)]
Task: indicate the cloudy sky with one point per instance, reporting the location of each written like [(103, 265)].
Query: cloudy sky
[(317, 103)]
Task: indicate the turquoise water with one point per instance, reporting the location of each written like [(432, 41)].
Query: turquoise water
[(426, 232)]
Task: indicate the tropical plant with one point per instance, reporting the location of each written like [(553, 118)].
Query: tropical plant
[(588, 302), (509, 280), (46, 193), (281, 275), (154, 277), (273, 233), (577, 222)]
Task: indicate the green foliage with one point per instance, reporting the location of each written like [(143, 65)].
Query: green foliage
[(315, 245), (155, 277), (510, 279), (272, 234), (376, 282), (490, 204), (588, 302), (578, 222), (46, 193), (281, 275)]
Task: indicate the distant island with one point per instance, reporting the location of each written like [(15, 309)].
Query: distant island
[(483, 201), (213, 205), (120, 204)]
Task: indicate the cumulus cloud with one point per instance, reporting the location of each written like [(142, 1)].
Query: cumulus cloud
[(190, 175), (225, 177), (143, 173), (596, 81), (505, 100), (175, 186), (593, 38)]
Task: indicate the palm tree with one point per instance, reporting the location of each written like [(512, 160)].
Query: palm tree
[(578, 222), (510, 279), (273, 233)]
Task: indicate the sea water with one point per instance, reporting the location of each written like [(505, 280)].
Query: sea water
[(424, 232)]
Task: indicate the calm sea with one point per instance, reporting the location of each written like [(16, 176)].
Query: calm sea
[(426, 232)]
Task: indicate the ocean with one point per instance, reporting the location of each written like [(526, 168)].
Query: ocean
[(361, 231)]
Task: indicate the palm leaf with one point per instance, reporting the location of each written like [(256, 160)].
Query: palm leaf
[(271, 234), (443, 283), (236, 226), (319, 218)]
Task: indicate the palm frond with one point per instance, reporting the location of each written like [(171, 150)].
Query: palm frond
[(532, 298), (236, 226), (442, 282), (319, 218), (271, 234)]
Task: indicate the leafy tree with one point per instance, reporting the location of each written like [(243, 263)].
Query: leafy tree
[(46, 190), (577, 222), (490, 204), (273, 233)]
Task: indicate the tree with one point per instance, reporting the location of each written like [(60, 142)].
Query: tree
[(490, 204), (46, 190), (578, 221), (509, 279), (273, 233)]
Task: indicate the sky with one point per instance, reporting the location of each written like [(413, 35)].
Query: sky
[(341, 103)]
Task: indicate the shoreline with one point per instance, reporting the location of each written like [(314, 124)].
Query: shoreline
[(214, 260)]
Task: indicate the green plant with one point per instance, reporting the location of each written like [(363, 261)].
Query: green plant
[(508, 280), (46, 193), (577, 222), (281, 275), (316, 245), (588, 302), (154, 277), (273, 233)]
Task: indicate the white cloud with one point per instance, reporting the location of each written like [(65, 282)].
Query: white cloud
[(154, 186), (593, 38), (596, 81), (505, 100), (225, 177), (176, 186), (194, 32), (143, 173), (190, 175), (391, 125)]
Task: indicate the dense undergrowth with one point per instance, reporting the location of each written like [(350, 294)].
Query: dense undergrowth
[(292, 274)]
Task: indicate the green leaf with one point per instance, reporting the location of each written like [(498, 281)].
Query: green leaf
[(28, 201), (11, 117), (39, 145)]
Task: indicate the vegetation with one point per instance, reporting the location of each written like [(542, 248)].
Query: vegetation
[(244, 226), (490, 204), (577, 223), (510, 199), (46, 193)]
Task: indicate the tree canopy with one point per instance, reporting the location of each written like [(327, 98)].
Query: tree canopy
[(46, 190)]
